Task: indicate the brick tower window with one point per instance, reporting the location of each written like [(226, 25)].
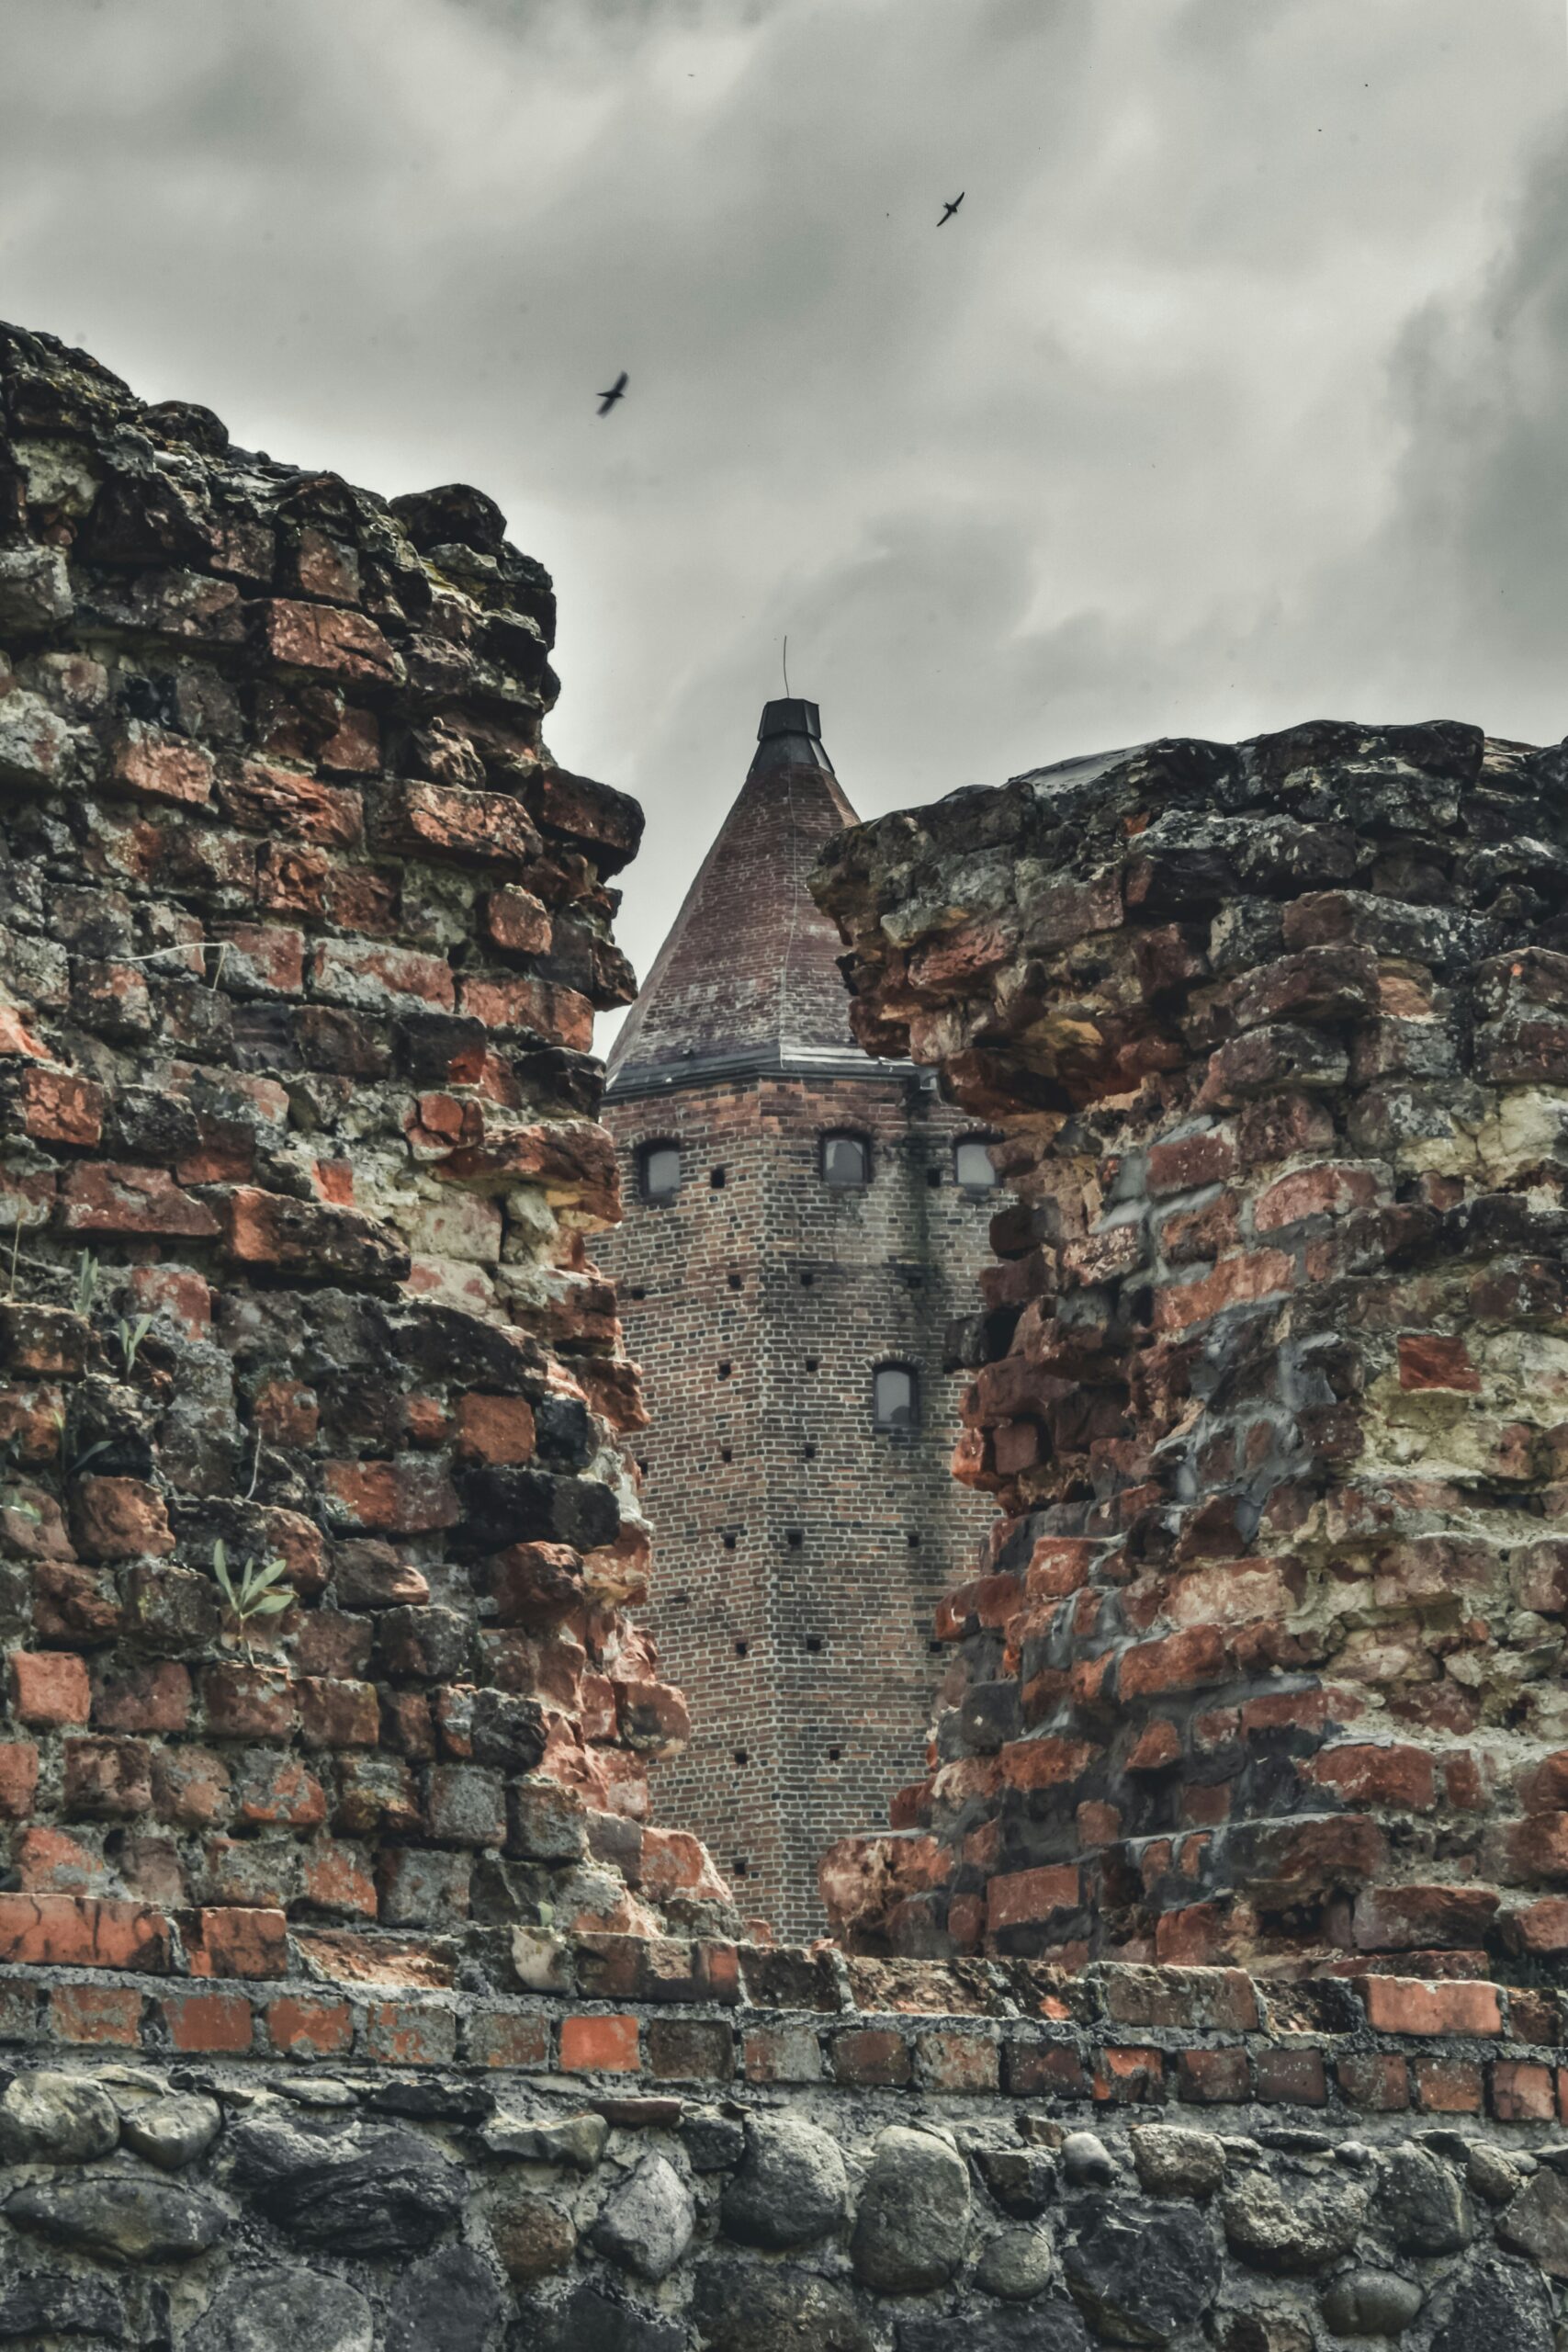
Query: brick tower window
[(895, 1396), (659, 1173), (846, 1162), (972, 1164)]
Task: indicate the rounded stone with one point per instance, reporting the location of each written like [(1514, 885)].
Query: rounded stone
[(1498, 2305), (58, 2119), (1017, 2266), (752, 2307), (1175, 2162), (1370, 2303), (913, 2219), (283, 2310), (1292, 2227), (647, 2223), (124, 2216), (1424, 2205), (1053, 2326), (790, 2188), (1022, 2180), (448, 2304), (1141, 2273), (1087, 2161), (531, 2234), (1537, 2223), (172, 2131)]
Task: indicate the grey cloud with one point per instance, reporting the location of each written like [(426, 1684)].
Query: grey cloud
[(1229, 398)]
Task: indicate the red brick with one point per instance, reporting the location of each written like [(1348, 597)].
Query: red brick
[(338, 1714), (1374, 1775), (230, 1940), (606, 2045), (328, 639), (306, 2029), (49, 1686), (1129, 2077), (276, 799), (782, 2053), (1373, 2082), (533, 1006), (58, 1108), (689, 2050), (1021, 1898), (121, 1518), (1407, 2005), (1291, 2077), (97, 2015), (155, 766), (18, 1779), (1183, 1661), (495, 1428), (506, 2037), (109, 1777), (409, 1497), (249, 1702), (869, 2056), (952, 2061), (156, 1697), (211, 2023), (80, 1931), (1211, 2077), (1448, 2086), (1521, 2093), (404, 2034), (110, 1198), (517, 922), (378, 978), (1326, 1189), (1249, 1275)]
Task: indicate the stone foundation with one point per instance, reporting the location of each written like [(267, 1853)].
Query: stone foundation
[(826, 2151)]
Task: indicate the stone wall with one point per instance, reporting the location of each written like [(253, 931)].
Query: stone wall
[(838, 2154), (303, 931), (347, 1997), (1270, 1379)]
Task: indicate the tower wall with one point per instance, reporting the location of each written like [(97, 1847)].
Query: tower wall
[(822, 1544)]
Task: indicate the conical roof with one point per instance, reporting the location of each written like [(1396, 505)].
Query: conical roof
[(748, 979)]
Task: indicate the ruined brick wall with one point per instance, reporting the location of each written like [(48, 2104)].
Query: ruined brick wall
[(802, 1550), (303, 931), (1269, 1378)]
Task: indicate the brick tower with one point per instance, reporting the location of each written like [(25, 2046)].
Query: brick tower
[(801, 1225)]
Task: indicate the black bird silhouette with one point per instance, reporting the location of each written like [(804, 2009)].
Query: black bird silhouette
[(617, 391), (949, 210)]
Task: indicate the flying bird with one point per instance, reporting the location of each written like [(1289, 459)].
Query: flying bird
[(949, 210), (616, 391)]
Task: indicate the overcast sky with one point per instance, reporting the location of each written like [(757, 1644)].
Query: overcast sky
[(1235, 394)]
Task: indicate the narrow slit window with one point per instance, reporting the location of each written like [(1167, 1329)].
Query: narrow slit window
[(972, 1165), (659, 1173), (895, 1397), (846, 1162)]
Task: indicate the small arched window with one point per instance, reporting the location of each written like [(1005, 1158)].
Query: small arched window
[(972, 1164), (846, 1162), (895, 1396), (659, 1173)]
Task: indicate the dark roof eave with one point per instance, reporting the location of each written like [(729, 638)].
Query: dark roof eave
[(701, 1070)]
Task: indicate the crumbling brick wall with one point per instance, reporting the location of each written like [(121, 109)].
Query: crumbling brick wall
[(303, 931), (1269, 1376)]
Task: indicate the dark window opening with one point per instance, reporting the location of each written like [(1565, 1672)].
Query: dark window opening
[(739, 1867), (913, 1540), (794, 1538), (716, 1180), (734, 1282), (659, 1173), (727, 1454), (807, 1281), (814, 1643), (935, 1648), (642, 1469), (724, 1372), (933, 1178), (728, 1538), (680, 1599), (812, 1362), (972, 1164), (740, 1649), (846, 1162), (742, 1755), (834, 1754), (636, 1291), (894, 1399), (808, 1451)]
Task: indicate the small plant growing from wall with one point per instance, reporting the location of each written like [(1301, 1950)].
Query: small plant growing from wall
[(259, 1591), (131, 1338)]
